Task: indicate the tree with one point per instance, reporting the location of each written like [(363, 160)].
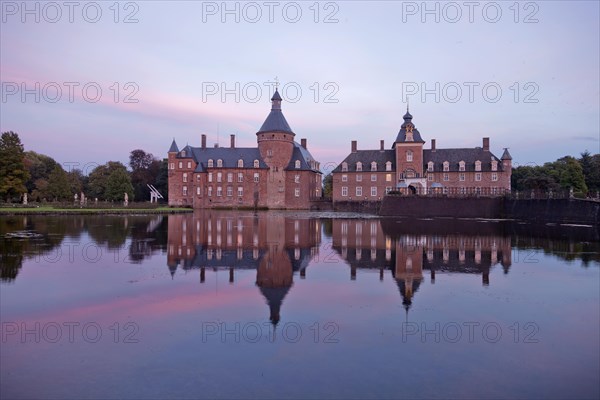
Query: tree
[(140, 160), (98, 179), (328, 186), (118, 183), (58, 184), (13, 173), (144, 170), (77, 180), (39, 166), (568, 173), (590, 164), (161, 183)]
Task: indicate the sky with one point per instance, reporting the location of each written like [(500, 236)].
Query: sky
[(88, 82)]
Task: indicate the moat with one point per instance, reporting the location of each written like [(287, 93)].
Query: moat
[(228, 304)]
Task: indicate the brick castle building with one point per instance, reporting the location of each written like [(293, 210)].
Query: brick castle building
[(279, 173), (368, 175)]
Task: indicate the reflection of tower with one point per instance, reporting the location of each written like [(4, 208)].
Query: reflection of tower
[(408, 272)]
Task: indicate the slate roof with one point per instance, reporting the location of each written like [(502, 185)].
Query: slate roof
[(408, 124), (275, 121), (300, 153), (454, 156), (228, 155), (366, 157), (173, 148), (506, 155)]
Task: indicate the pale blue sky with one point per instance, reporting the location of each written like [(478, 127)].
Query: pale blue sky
[(372, 55)]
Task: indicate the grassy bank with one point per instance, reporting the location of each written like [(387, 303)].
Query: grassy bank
[(59, 210)]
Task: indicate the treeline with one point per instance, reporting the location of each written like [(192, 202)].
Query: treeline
[(581, 174), (43, 179)]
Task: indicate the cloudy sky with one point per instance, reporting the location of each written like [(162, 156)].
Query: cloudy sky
[(87, 82)]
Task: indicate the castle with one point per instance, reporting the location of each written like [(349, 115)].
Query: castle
[(279, 173)]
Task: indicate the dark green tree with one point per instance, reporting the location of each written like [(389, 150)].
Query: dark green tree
[(98, 180), (590, 164), (328, 186), (39, 166), (117, 184), (59, 188), (13, 173)]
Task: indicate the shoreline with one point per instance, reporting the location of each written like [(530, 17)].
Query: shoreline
[(6, 211)]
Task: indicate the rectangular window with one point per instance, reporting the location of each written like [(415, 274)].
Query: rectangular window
[(240, 191), (461, 177), (189, 164), (229, 177), (229, 191), (210, 191), (430, 177), (494, 177), (478, 176), (359, 178), (409, 156), (240, 177), (344, 178), (373, 178), (219, 191), (388, 177), (359, 191), (180, 164), (494, 165), (219, 176), (185, 177), (185, 190), (296, 178), (210, 176), (172, 165), (344, 191), (197, 177), (446, 166), (297, 192), (446, 177), (373, 191), (256, 177), (198, 191)]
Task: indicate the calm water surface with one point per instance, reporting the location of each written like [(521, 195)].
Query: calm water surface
[(297, 305)]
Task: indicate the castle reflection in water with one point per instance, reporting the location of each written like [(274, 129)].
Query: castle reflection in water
[(279, 245)]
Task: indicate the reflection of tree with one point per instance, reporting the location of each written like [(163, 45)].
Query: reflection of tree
[(147, 236), (110, 231)]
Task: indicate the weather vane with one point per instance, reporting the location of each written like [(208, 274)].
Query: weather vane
[(276, 83)]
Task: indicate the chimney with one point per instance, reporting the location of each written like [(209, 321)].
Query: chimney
[(203, 141), (354, 146), (381, 145), (432, 144), (232, 141), (486, 144), (303, 142)]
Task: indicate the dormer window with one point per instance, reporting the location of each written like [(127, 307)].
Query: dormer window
[(344, 166), (494, 165), (388, 166), (461, 166), (240, 163), (256, 164), (446, 166), (210, 163), (219, 163), (373, 166), (477, 165), (182, 153), (297, 164), (409, 156), (430, 166), (359, 166)]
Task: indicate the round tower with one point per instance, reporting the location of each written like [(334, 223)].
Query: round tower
[(275, 137)]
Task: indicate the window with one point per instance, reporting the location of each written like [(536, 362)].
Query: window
[(229, 191), (494, 177), (388, 177), (359, 191), (430, 166), (240, 191), (477, 165), (219, 191), (219, 176), (388, 166), (344, 166), (210, 163), (373, 191), (185, 177), (297, 164), (446, 177), (494, 165), (180, 164), (461, 177), (182, 153), (229, 177), (172, 165), (446, 166), (359, 166), (344, 178), (256, 164), (189, 164), (409, 156), (240, 163), (373, 178), (478, 176), (219, 163), (373, 166), (461, 166), (198, 191), (430, 177), (296, 178), (359, 178), (297, 192), (185, 190), (210, 176), (256, 177), (344, 191), (388, 189), (240, 177), (210, 191), (197, 177)]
